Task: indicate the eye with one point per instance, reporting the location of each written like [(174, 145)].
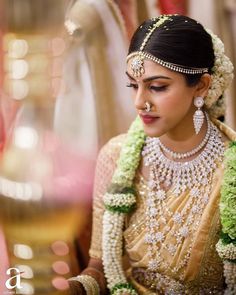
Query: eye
[(132, 85), (158, 88)]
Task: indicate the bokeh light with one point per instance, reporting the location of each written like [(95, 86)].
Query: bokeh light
[(25, 137), (23, 251), (17, 48), (60, 283), (61, 267), (26, 271), (60, 248), (27, 289), (19, 89), (19, 68)]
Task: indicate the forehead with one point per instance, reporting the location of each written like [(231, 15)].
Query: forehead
[(152, 69)]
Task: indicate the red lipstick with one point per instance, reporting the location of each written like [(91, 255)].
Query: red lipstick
[(147, 119)]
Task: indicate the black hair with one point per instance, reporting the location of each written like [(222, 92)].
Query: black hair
[(180, 40)]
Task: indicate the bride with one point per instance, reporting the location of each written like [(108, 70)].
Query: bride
[(163, 220)]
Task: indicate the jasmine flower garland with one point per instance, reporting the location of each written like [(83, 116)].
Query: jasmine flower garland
[(112, 242), (226, 247), (130, 155), (226, 251), (222, 76), (120, 288), (228, 193), (119, 200)]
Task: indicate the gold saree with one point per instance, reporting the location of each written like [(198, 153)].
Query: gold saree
[(201, 270)]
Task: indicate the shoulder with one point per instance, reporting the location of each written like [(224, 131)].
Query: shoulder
[(111, 150), (228, 132)]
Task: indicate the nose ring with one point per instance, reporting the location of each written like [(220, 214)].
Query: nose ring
[(147, 107)]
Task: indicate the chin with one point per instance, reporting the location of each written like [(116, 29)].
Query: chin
[(152, 131)]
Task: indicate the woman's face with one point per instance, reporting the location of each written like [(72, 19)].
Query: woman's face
[(171, 99)]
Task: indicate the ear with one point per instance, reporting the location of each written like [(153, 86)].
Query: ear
[(203, 85)]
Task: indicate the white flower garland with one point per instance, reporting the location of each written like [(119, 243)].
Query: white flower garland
[(230, 277), (129, 158), (112, 248), (119, 200), (221, 78), (226, 251)]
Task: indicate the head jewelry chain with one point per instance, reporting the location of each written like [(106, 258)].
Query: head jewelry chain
[(137, 63)]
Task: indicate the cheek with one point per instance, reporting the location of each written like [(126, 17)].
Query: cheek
[(175, 103)]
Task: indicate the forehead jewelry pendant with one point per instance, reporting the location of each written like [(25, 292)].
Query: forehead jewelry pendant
[(137, 66), (147, 107)]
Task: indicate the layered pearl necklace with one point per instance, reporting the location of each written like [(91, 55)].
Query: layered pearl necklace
[(193, 177)]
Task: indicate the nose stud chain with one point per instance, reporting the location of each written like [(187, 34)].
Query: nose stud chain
[(147, 107)]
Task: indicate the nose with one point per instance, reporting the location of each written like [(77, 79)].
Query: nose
[(139, 100)]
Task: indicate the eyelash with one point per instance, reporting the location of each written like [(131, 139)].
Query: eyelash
[(154, 88), (132, 85)]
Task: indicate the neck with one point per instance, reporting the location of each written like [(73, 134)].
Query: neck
[(183, 137)]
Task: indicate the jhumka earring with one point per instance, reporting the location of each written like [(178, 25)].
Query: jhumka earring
[(147, 107), (198, 117)]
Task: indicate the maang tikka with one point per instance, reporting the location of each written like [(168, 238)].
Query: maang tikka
[(137, 63), (198, 117)]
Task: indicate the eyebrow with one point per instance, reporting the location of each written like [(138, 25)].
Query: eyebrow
[(150, 78)]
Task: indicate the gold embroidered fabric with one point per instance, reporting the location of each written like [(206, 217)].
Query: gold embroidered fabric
[(203, 273)]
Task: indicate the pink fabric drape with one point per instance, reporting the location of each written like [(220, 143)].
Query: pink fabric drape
[(172, 6), (2, 132), (129, 12), (8, 112), (4, 263)]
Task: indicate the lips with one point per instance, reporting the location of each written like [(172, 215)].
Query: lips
[(147, 119)]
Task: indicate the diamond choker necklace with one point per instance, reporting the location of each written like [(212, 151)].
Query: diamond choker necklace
[(188, 154)]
